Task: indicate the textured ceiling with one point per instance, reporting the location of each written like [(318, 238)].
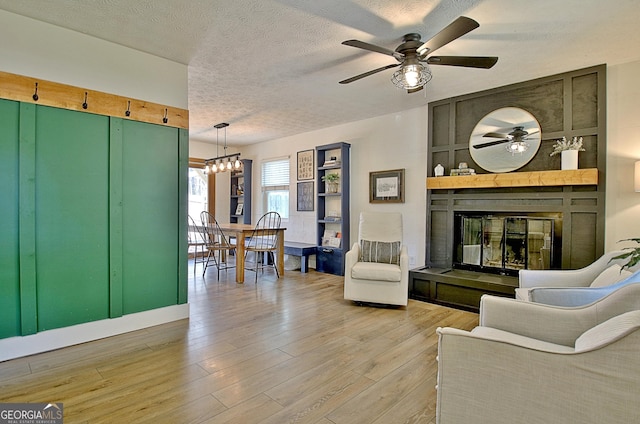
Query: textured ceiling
[(271, 67)]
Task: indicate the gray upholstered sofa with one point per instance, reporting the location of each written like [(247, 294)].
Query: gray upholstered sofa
[(531, 363)]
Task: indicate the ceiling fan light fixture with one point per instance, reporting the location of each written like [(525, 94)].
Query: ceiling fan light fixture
[(411, 76), (517, 147)]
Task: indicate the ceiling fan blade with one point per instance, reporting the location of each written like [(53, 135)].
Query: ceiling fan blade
[(415, 90), (366, 74), (484, 62), (490, 143), (371, 47), (495, 135), (454, 30)]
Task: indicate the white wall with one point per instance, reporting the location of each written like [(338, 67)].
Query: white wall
[(623, 149), (392, 141), (40, 50)]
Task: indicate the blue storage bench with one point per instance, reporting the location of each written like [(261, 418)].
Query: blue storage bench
[(300, 249)]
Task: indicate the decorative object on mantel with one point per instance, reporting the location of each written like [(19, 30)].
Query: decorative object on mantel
[(462, 169), (569, 152), (505, 140), (438, 171)]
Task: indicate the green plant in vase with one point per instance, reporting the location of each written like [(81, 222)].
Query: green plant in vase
[(332, 182)]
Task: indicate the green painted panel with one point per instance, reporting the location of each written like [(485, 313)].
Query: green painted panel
[(9, 218), (115, 218), (72, 217), (150, 216), (183, 169), (27, 202)]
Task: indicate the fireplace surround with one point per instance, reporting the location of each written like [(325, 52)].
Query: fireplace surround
[(568, 104)]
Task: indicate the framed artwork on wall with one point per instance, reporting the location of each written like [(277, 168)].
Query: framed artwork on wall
[(305, 165), (386, 186), (305, 196)]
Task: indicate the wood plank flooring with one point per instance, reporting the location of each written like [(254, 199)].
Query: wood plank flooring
[(288, 350)]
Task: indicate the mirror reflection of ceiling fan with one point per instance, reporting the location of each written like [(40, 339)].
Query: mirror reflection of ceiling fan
[(517, 138), (413, 56)]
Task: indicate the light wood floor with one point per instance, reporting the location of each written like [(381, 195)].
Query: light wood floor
[(282, 351)]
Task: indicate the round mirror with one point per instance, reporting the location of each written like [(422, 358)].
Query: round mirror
[(505, 140)]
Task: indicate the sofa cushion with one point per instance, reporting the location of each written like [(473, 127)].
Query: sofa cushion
[(610, 275), (380, 252), (376, 271), (609, 331)]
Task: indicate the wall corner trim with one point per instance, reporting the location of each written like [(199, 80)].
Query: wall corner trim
[(16, 347)]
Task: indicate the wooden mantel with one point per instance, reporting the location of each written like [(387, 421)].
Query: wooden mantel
[(516, 179)]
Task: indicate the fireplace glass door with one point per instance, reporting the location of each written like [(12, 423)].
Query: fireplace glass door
[(505, 244)]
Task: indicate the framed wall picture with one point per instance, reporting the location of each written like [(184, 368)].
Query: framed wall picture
[(305, 196), (305, 165), (386, 186)]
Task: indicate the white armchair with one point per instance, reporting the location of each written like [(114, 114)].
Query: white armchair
[(582, 277), (534, 364), (576, 287), (377, 266)]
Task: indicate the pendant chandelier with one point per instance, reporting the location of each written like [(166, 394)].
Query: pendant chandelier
[(225, 162)]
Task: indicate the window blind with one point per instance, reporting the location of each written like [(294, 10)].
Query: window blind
[(275, 175)]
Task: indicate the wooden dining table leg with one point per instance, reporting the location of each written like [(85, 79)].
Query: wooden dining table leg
[(280, 253), (240, 257)]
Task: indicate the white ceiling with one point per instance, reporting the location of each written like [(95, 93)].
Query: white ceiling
[(271, 68)]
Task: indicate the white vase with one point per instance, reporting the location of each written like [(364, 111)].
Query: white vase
[(569, 159)]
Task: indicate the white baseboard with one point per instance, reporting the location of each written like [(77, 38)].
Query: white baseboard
[(16, 347)]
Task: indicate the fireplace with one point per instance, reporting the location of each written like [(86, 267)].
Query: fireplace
[(504, 243)]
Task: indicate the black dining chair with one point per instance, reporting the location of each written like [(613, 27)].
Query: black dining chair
[(216, 242), (264, 242)]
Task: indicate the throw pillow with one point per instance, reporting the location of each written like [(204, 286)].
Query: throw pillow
[(380, 252), (609, 276)]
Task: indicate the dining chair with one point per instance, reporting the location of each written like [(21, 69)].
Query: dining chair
[(264, 242), (216, 242), (195, 240)]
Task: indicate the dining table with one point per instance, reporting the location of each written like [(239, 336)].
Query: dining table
[(241, 232)]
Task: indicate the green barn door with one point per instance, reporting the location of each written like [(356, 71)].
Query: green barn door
[(149, 217), (9, 235), (72, 217)]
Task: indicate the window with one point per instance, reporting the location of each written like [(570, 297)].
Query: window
[(198, 193), (275, 186)]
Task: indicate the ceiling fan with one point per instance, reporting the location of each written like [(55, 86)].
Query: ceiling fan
[(517, 137), (413, 56)]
